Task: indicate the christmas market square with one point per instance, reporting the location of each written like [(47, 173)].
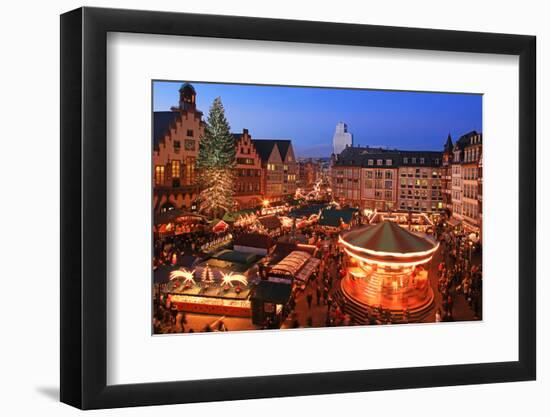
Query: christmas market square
[(302, 207)]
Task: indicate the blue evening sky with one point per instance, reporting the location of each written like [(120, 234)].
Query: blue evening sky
[(308, 116)]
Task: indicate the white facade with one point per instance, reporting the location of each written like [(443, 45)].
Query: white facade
[(341, 138)]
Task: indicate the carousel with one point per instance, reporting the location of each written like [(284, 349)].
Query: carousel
[(386, 271)]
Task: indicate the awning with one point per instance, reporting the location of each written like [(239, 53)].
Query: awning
[(454, 222), (177, 215), (308, 269)]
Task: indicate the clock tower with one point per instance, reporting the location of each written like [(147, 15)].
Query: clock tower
[(188, 96)]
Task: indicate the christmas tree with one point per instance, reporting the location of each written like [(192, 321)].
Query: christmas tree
[(215, 163)]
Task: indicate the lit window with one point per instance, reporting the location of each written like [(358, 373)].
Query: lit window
[(378, 162), (159, 175), (371, 162), (175, 169)]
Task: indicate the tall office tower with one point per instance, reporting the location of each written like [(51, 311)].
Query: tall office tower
[(341, 138)]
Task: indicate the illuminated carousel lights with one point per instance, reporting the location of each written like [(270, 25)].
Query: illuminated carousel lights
[(392, 254), (387, 263)]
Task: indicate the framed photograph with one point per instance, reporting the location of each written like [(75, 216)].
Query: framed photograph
[(259, 208)]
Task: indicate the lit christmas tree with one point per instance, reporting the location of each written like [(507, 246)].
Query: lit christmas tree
[(215, 162)]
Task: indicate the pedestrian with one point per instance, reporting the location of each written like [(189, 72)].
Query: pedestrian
[(310, 321), (318, 294), (309, 298), (173, 314), (450, 305)]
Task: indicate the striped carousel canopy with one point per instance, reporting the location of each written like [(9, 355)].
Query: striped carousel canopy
[(387, 239)]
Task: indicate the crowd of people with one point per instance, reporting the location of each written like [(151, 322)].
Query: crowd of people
[(459, 273)]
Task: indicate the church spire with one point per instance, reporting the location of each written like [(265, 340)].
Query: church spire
[(449, 144)]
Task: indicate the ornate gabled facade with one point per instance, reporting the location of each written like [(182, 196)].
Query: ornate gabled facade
[(176, 136), (278, 168), (248, 172), (290, 166)]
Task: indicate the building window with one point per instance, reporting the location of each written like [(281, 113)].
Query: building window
[(177, 146), (371, 162), (414, 160), (159, 175), (175, 169), (388, 162), (405, 160), (379, 162), (422, 161), (190, 133)]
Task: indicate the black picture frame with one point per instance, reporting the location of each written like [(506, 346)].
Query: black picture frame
[(84, 207)]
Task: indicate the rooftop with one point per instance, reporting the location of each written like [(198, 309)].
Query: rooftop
[(387, 237)]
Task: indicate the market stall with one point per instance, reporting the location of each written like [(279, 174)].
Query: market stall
[(268, 303)]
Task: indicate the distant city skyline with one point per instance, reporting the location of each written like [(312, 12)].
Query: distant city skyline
[(308, 115)]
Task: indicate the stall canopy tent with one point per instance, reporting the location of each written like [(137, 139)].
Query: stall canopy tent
[(234, 216), (335, 217), (292, 263), (171, 216), (454, 222), (254, 240), (220, 226), (270, 222), (307, 211)]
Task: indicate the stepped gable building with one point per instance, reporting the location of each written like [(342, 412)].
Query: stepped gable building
[(176, 135), (248, 172), (385, 179), (279, 169)]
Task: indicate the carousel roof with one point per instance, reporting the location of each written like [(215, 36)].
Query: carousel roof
[(387, 237)]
